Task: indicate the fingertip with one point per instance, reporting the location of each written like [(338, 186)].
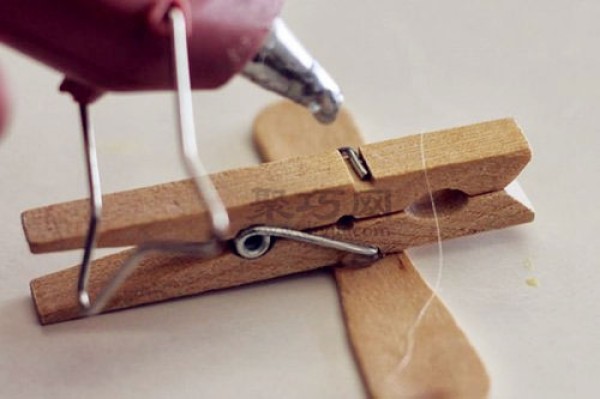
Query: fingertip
[(158, 15), (82, 93)]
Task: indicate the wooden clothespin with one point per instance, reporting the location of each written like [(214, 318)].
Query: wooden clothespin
[(469, 170), (325, 195)]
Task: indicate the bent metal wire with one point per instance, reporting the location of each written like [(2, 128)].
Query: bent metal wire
[(251, 243)]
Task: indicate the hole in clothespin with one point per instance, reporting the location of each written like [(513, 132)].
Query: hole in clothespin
[(346, 222), (446, 202)]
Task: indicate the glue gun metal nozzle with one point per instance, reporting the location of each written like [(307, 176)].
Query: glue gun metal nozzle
[(283, 65)]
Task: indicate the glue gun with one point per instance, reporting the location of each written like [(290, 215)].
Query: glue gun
[(123, 45)]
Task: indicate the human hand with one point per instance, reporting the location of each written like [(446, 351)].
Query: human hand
[(3, 104), (125, 45)]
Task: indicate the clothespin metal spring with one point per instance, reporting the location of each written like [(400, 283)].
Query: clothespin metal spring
[(254, 242), (250, 243)]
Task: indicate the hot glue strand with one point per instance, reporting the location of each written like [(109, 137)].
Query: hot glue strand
[(410, 336)]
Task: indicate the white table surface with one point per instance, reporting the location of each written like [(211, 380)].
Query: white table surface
[(406, 67)]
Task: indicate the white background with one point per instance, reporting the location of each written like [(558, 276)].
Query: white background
[(405, 67)]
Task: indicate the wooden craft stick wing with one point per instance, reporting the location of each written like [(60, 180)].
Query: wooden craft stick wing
[(381, 302)]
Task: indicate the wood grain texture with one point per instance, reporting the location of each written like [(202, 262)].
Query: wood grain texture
[(281, 131), (162, 277), (268, 193), (483, 158), (381, 302)]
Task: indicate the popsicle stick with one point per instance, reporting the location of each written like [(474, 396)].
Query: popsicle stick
[(484, 158), (281, 131), (380, 303)]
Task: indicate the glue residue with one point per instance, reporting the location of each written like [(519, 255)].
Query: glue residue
[(533, 282)]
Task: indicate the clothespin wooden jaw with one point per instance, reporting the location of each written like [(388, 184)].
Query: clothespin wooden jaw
[(468, 168)]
